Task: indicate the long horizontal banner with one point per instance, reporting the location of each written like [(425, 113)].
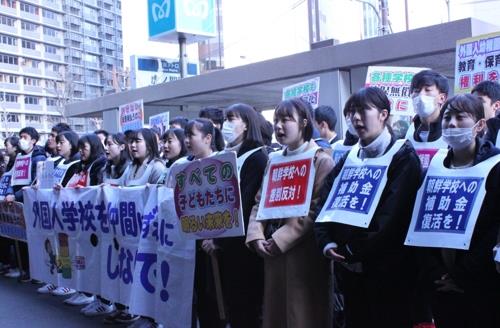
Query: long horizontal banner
[(121, 243)]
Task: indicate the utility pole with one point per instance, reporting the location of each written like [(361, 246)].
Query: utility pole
[(384, 10)]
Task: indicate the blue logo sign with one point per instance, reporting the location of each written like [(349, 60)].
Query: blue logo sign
[(357, 187), (161, 17), (197, 17), (446, 204)]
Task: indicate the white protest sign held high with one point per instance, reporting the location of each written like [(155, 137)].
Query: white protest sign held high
[(207, 197), (131, 116), (357, 189), (121, 243), (448, 204), (307, 91), (287, 186)]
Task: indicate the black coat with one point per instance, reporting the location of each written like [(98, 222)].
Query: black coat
[(72, 169), (474, 268), (493, 125), (96, 170), (381, 244), (434, 129)]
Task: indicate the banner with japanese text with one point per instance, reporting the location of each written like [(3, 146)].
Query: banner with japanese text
[(307, 91), (477, 59), (448, 204), (357, 189), (207, 197), (121, 243), (395, 81), (12, 224), (131, 115), (287, 186)]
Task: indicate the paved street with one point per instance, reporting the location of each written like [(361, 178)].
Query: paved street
[(21, 306)]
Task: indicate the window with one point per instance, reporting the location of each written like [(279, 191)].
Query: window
[(28, 8), (31, 100), (10, 97), (5, 20), (50, 49), (32, 81), (27, 26), (12, 118), (32, 63), (8, 78), (49, 31), (28, 44), (51, 102), (52, 67), (10, 40), (49, 14), (33, 118), (9, 3), (6, 59)]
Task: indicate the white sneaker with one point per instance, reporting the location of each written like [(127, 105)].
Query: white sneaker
[(79, 299), (99, 308), (63, 291), (48, 288), (90, 305), (13, 273)]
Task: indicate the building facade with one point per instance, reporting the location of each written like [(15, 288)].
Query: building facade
[(53, 52)]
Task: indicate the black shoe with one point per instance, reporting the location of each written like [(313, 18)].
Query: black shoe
[(124, 317), (111, 319), (36, 282), (24, 278)]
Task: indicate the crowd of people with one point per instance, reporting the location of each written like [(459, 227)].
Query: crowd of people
[(296, 271)]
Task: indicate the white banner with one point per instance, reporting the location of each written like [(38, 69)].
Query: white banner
[(121, 243)]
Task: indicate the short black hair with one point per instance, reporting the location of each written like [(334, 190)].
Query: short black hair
[(489, 89), (150, 140), (429, 78), (326, 114), (61, 127), (367, 97), (287, 108), (32, 132), (179, 134), (214, 114), (181, 121), (72, 138), (104, 132), (465, 103)]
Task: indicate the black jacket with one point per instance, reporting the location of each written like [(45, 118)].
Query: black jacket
[(96, 171), (434, 130), (382, 242), (493, 125), (71, 170), (474, 267)]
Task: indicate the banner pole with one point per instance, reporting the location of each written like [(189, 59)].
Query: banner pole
[(218, 286), (18, 255)]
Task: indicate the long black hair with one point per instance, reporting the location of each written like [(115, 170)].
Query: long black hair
[(72, 138), (206, 127), (96, 147), (119, 139), (150, 141), (179, 134), (252, 136)]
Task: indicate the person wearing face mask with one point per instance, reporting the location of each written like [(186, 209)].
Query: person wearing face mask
[(362, 216), (466, 287), (429, 91), (489, 93), (241, 269), (24, 173)]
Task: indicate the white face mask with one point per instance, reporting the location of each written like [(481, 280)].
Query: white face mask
[(228, 132), (24, 144), (350, 127), (458, 138), (424, 105)]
